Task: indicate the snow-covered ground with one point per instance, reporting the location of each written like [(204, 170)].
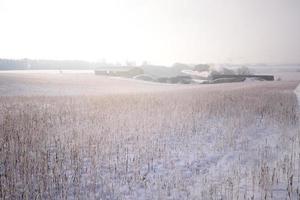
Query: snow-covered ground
[(47, 71), (53, 83), (154, 141)]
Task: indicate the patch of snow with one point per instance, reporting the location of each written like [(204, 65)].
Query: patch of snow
[(196, 73)]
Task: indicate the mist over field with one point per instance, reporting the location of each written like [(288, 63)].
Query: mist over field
[(181, 99)]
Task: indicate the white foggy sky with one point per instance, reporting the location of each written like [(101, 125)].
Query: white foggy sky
[(159, 31)]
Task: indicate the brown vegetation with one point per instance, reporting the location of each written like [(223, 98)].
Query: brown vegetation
[(125, 146)]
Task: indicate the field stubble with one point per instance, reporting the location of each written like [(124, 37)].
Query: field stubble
[(226, 142)]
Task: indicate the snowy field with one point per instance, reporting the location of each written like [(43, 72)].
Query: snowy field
[(80, 136)]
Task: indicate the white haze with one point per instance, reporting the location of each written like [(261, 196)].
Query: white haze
[(159, 31)]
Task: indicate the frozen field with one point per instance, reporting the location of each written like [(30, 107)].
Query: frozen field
[(80, 136), (50, 83)]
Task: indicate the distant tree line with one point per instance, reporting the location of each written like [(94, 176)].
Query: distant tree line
[(22, 64)]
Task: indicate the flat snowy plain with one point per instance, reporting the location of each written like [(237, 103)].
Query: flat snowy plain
[(81, 136)]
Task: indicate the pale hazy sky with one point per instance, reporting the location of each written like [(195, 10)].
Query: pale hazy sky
[(159, 31)]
